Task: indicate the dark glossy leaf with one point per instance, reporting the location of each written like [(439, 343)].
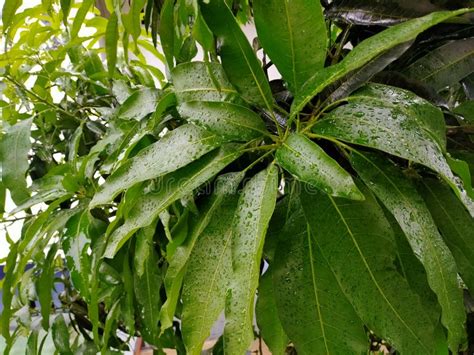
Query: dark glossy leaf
[(202, 81), (166, 29), (15, 146), (412, 132), (226, 185), (400, 197), (455, 224), (309, 163), (294, 37), (267, 316), (158, 159), (238, 59), (171, 188), (207, 278), (357, 242), (254, 210), (313, 308), (446, 65), (466, 110), (141, 103), (365, 52), (231, 121)]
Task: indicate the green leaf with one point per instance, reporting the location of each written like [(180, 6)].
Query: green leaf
[(202, 81), (15, 146), (44, 286), (357, 242), (366, 51), (172, 187), (294, 37), (176, 149), (8, 12), (309, 163), (231, 121), (401, 198), (135, 13), (268, 320), (455, 224), (166, 30), (61, 335), (394, 128), (65, 9), (238, 59), (111, 42), (7, 291), (255, 208), (313, 309), (80, 17), (226, 185), (207, 277), (141, 103), (466, 109), (445, 65), (147, 289)]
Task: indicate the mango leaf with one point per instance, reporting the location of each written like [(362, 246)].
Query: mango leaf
[(172, 187), (111, 42), (8, 292), (60, 333), (313, 309), (309, 163), (366, 51), (202, 81), (455, 224), (208, 274), (8, 12), (147, 289), (166, 30), (466, 110), (231, 121), (294, 37), (445, 65), (226, 185), (238, 59), (158, 159), (80, 17), (400, 197), (141, 103), (395, 128), (357, 242), (268, 320), (44, 286), (15, 146), (255, 208)]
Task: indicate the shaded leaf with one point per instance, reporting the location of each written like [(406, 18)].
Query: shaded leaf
[(238, 59), (231, 121), (44, 286), (61, 335), (357, 242), (254, 210), (309, 163), (111, 42), (172, 187), (294, 37), (158, 159), (401, 198)]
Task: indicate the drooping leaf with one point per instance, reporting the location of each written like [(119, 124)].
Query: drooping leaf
[(175, 150), (309, 163), (135, 17), (8, 12), (44, 286), (254, 210), (226, 185), (400, 197), (410, 132), (8, 292), (61, 335), (207, 277), (267, 316), (166, 30), (111, 42), (172, 187), (15, 146), (455, 224), (202, 81), (238, 59), (356, 240), (141, 103), (313, 308), (294, 37), (366, 51), (80, 17), (445, 65), (231, 121)]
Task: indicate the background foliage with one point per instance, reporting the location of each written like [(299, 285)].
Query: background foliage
[(155, 200)]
